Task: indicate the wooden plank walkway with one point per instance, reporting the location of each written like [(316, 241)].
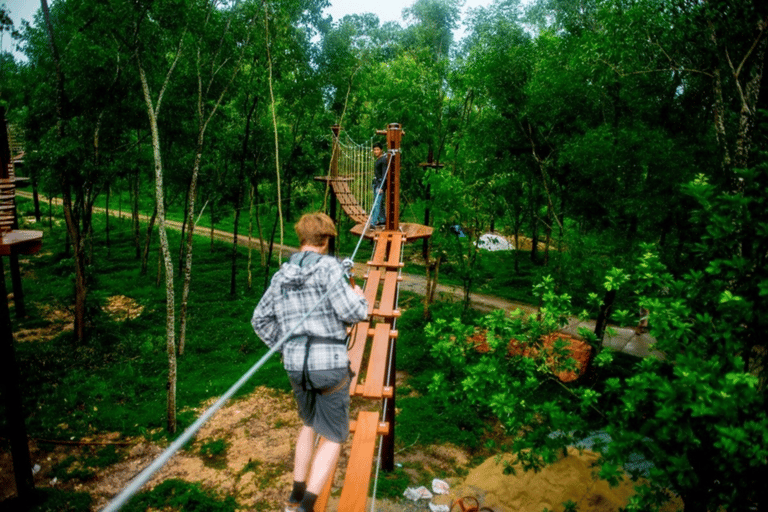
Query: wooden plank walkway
[(370, 353), (346, 198)]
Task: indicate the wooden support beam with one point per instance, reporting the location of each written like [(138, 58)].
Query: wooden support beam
[(377, 363), (359, 338)]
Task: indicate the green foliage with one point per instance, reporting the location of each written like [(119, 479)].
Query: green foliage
[(180, 495), (698, 413), (51, 500)]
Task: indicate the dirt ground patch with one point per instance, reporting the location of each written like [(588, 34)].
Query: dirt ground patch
[(121, 308), (255, 467)]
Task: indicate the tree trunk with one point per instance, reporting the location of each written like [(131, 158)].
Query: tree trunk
[(233, 280), (71, 221), (190, 215), (250, 237), (148, 242), (183, 238), (604, 315), (170, 323), (269, 255), (106, 219), (135, 214), (35, 195)]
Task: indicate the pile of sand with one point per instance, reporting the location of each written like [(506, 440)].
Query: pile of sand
[(572, 478)]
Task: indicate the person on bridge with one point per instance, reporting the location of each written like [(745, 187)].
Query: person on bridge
[(378, 215), (315, 356)]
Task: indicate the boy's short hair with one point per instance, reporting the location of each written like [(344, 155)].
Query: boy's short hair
[(314, 229), (378, 145)]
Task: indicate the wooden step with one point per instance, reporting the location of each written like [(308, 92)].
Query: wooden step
[(354, 494), (388, 250), (386, 303), (375, 385), (365, 426)]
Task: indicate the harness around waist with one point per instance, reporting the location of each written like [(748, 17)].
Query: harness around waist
[(312, 340)]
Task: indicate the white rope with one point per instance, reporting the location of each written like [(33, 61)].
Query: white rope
[(355, 162)]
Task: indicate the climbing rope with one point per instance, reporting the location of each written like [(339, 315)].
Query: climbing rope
[(143, 477)]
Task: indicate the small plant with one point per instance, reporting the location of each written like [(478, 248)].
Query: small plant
[(214, 453)]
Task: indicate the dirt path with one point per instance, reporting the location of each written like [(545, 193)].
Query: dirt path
[(411, 282)]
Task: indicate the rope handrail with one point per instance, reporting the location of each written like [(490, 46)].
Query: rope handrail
[(143, 477)]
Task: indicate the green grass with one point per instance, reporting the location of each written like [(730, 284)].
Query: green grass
[(177, 494), (116, 380)]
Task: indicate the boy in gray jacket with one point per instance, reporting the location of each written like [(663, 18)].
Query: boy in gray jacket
[(315, 356)]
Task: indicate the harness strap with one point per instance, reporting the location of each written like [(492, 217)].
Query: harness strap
[(308, 341)]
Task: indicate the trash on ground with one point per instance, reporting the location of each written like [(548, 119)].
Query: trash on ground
[(417, 493), (440, 486), (492, 242)]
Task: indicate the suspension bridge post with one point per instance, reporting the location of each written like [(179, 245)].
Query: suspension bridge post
[(13, 242), (394, 134)]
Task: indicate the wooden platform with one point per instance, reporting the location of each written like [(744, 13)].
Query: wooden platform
[(21, 242), (412, 231)]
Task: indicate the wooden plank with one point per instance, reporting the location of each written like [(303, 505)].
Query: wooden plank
[(354, 494), (359, 336), (387, 252), (348, 201), (371, 289), (388, 296), (377, 362), (382, 430)]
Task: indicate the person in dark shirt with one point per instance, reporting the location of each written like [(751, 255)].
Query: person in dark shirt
[(378, 215)]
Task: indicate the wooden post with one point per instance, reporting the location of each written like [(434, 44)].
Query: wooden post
[(335, 151), (394, 133), (388, 441), (14, 242), (22, 464)]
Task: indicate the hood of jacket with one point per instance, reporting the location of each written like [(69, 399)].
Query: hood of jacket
[(299, 269)]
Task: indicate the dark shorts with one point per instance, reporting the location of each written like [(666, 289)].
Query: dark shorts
[(324, 404)]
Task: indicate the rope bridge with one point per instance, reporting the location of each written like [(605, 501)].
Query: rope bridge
[(355, 161), (351, 180), (351, 176)]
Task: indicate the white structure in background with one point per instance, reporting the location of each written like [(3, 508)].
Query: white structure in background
[(493, 242)]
